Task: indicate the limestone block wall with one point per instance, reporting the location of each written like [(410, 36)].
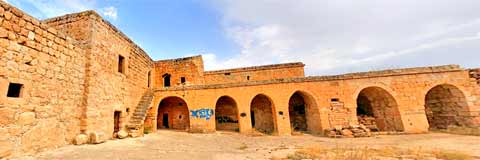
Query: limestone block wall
[(257, 73), (111, 85), (191, 68), (335, 98), (108, 89), (47, 114)]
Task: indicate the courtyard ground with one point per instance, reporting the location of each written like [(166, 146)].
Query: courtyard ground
[(227, 145)]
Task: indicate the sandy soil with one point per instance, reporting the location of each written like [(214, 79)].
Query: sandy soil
[(228, 145)]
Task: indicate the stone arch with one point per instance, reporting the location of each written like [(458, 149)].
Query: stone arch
[(446, 105), (173, 113), (304, 113), (378, 110), (226, 114), (262, 114)]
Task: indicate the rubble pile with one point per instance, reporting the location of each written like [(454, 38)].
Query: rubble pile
[(369, 122), (351, 131)]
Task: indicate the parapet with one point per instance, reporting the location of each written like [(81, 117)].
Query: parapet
[(256, 68)]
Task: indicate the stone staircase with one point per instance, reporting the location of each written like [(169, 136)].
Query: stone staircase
[(136, 121)]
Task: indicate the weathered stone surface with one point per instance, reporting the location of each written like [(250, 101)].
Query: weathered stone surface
[(26, 118), (7, 116), (6, 148)]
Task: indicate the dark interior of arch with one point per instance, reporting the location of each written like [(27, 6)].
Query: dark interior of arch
[(297, 112), (226, 114), (378, 110), (262, 114), (444, 105)]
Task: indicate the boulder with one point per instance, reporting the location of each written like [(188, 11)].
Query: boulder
[(97, 137), (347, 133), (80, 139), (338, 127), (122, 134)]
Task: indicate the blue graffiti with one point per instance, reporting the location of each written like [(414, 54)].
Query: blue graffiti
[(202, 113)]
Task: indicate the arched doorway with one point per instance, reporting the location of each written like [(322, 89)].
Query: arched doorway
[(297, 112), (173, 114), (378, 110), (226, 114), (261, 112), (444, 105)]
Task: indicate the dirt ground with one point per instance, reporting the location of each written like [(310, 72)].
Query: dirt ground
[(227, 145)]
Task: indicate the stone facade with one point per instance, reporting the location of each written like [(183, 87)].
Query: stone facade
[(77, 79)]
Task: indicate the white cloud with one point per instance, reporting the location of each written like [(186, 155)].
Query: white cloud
[(43, 9), (348, 35), (110, 12)]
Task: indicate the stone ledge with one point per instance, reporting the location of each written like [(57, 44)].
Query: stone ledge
[(360, 75), (256, 68), (99, 19)]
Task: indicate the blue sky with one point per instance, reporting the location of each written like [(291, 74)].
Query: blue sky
[(330, 37)]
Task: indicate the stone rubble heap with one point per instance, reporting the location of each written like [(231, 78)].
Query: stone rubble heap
[(351, 131), (368, 121)]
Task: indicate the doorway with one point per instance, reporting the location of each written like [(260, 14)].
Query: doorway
[(165, 120)]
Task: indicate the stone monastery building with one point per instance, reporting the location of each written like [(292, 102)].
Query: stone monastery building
[(78, 79)]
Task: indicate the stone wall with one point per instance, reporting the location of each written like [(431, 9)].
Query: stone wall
[(334, 98), (257, 73), (47, 114), (107, 89), (191, 68)]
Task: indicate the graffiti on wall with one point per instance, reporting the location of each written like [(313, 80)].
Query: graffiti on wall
[(202, 113)]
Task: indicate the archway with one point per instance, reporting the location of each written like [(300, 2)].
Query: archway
[(297, 112), (378, 110), (261, 112), (303, 113), (226, 114), (173, 114), (444, 105)]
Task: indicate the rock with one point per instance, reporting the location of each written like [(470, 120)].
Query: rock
[(97, 137), (347, 133), (338, 127), (122, 134), (331, 134), (81, 139), (363, 127), (26, 118)]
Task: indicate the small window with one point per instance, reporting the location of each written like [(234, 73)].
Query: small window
[(121, 64), (227, 74), (166, 80), (14, 90), (149, 78), (335, 100), (248, 77), (182, 80)]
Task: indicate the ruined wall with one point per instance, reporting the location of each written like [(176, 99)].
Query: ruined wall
[(52, 70), (257, 73), (107, 89), (335, 98), (191, 68)]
